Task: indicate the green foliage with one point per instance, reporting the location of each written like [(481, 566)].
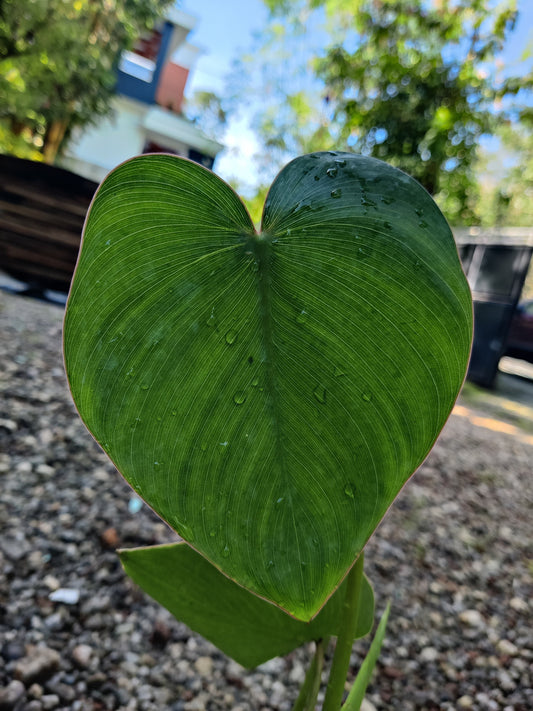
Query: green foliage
[(242, 625), (509, 200), (58, 65), (413, 83), (206, 110), (268, 394)]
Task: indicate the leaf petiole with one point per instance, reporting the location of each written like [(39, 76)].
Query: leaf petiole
[(343, 649)]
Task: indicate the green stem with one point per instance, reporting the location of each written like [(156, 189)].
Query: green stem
[(343, 649), (306, 700)]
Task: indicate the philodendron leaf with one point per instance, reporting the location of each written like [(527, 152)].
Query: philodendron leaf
[(242, 625), (268, 394)]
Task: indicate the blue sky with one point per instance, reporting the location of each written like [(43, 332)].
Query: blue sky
[(225, 31)]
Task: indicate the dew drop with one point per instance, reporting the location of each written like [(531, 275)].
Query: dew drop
[(203, 446), (239, 398), (174, 413), (130, 372), (387, 225), (212, 533), (338, 372), (108, 242), (145, 386), (320, 394), (211, 321), (255, 382), (270, 564), (387, 200), (349, 491), (157, 465), (419, 211), (226, 551), (231, 337), (367, 202), (340, 161), (317, 177), (367, 397), (336, 193), (423, 224), (280, 500), (302, 316), (332, 172)]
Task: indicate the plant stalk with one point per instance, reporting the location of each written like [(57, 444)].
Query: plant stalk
[(343, 649), (306, 700)]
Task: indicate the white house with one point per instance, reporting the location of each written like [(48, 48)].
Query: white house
[(147, 107)]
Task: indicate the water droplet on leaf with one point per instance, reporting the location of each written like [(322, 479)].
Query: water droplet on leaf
[(302, 316), (226, 551), (239, 398), (231, 337), (336, 193), (332, 172), (320, 394), (367, 397), (349, 491)]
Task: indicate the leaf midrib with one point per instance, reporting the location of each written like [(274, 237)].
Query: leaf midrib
[(262, 247)]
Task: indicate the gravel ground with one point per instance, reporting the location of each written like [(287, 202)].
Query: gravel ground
[(454, 555)]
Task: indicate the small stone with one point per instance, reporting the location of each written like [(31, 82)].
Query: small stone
[(204, 666), (12, 650), (366, 705), (505, 682), (39, 664), (465, 702), (82, 655), (36, 691), (68, 596), (429, 654), (51, 582), (109, 538), (472, 618), (49, 701), (519, 605), (507, 648), (11, 694)]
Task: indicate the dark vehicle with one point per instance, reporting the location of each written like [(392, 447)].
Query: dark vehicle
[(520, 339)]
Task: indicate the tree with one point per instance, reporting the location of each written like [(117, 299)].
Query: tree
[(410, 82), (58, 63)]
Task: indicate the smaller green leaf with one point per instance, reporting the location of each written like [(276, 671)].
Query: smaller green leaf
[(244, 626), (357, 692)]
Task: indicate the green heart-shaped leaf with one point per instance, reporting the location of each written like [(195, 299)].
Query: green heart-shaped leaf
[(268, 394), (242, 625)]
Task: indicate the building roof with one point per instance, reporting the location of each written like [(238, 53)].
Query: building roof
[(164, 124)]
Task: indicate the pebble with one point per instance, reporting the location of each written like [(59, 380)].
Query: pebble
[(506, 647), (82, 655), (39, 664), (11, 694), (472, 618), (465, 702), (204, 666)]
